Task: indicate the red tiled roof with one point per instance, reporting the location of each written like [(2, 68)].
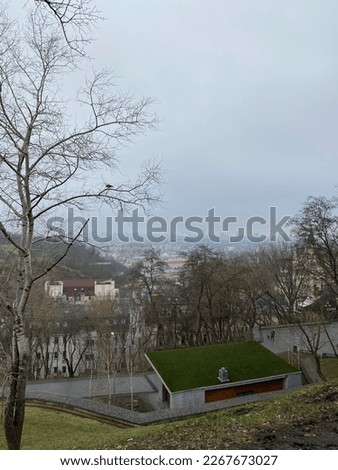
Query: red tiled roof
[(81, 282), (78, 287)]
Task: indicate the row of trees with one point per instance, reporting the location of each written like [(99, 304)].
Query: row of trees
[(215, 297), (70, 338), (218, 297)]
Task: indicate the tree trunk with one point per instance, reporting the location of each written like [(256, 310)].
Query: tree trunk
[(319, 368), (15, 401)]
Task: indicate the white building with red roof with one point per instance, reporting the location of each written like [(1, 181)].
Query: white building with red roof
[(81, 290)]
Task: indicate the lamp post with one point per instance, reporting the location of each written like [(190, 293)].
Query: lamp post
[(113, 361)]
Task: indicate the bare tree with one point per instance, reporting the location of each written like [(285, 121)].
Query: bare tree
[(311, 335), (209, 290), (42, 314), (108, 336), (75, 18), (316, 229), (251, 296), (148, 276), (47, 158), (284, 281)]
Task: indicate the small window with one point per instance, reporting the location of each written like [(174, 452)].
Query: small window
[(243, 394)]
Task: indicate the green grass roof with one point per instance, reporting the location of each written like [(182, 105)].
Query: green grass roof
[(183, 369)]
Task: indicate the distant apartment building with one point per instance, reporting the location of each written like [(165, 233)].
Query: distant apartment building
[(82, 336), (81, 290)]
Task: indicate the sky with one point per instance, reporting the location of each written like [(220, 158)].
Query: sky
[(246, 94)]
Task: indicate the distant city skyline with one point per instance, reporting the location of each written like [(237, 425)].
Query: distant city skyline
[(134, 227)]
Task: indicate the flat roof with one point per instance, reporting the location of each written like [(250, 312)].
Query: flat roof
[(187, 368)]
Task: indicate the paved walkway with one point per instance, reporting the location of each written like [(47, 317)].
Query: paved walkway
[(88, 388), (76, 393)]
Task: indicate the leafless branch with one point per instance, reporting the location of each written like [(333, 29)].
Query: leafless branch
[(63, 256), (76, 19)]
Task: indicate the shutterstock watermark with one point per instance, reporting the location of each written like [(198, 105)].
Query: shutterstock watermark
[(156, 229)]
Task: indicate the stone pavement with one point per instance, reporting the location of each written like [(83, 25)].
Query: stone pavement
[(76, 393)]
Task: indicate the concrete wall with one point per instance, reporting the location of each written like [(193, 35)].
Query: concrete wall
[(195, 397), (187, 398), (293, 380), (291, 338)]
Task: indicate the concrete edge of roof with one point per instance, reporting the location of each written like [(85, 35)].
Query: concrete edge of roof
[(120, 416)]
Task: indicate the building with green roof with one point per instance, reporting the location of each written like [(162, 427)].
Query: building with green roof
[(193, 376)]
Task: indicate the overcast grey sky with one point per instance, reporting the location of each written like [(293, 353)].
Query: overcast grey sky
[(247, 97)]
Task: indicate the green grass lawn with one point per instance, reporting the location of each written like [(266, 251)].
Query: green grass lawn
[(46, 429), (330, 367), (183, 369), (232, 428)]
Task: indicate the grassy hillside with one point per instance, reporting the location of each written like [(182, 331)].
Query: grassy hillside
[(303, 419)]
